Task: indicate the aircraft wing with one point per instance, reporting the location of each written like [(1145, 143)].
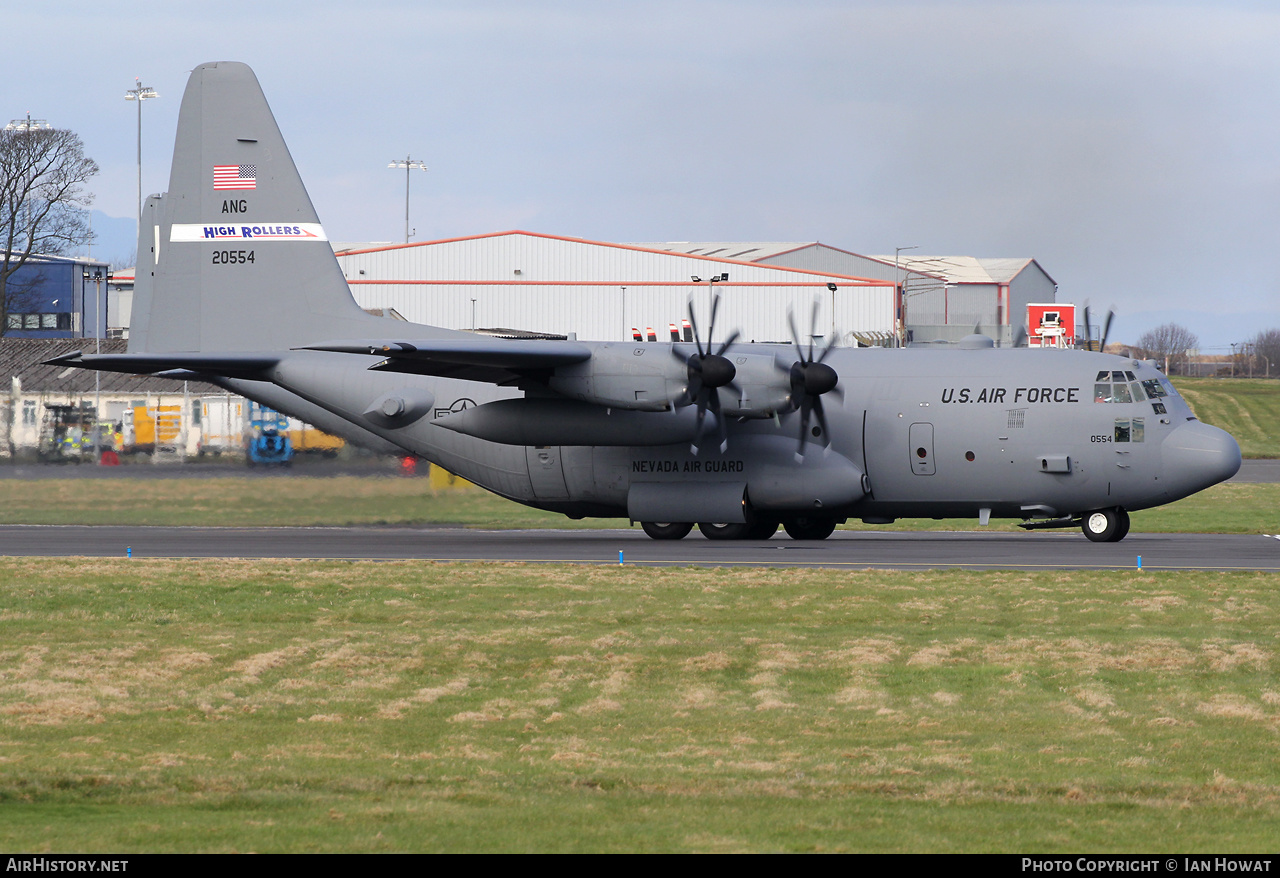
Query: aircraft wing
[(231, 365), (492, 360)]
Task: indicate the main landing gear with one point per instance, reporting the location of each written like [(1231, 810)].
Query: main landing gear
[(760, 528), (1106, 525), (666, 530)]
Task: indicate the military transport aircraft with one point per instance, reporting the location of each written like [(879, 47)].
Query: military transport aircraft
[(236, 284)]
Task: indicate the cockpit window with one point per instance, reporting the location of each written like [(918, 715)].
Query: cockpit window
[(1112, 386), (1154, 388)]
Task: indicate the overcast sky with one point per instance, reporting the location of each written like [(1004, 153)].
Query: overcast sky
[(1133, 149)]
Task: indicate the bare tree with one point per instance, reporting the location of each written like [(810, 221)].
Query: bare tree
[(1266, 346), (43, 201), (1169, 343)]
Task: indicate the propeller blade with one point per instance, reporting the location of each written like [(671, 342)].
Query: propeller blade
[(711, 322), (693, 324), (697, 432), (813, 326), (733, 336), (1088, 330), (828, 345), (1106, 330), (805, 408), (721, 427), (822, 416)]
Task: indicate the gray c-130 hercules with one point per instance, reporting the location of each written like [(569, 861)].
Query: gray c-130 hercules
[(237, 284)]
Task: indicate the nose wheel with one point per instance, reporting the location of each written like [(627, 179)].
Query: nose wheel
[(1106, 525)]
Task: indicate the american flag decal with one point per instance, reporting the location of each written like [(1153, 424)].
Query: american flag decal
[(235, 176)]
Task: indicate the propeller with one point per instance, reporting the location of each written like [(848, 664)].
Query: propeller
[(707, 373), (1106, 329), (810, 378)]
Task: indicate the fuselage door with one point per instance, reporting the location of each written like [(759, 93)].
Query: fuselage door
[(922, 449), (546, 472)]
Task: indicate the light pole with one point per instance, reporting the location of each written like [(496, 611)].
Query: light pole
[(96, 277), (140, 93), (902, 299), (408, 164), (711, 295)]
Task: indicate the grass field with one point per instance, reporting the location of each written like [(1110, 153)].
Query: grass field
[(277, 706), (1248, 410)]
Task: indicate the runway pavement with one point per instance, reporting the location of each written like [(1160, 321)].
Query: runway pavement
[(855, 550)]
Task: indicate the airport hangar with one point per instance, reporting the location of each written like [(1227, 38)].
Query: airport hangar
[(557, 285)]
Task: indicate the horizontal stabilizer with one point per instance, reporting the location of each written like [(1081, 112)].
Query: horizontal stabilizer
[(230, 365), (479, 358)]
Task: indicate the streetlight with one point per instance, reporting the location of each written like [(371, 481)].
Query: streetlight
[(140, 93), (408, 164), (711, 282), (96, 277), (902, 299)]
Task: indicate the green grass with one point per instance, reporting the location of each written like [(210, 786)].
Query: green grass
[(1248, 410), (353, 500), (281, 706)]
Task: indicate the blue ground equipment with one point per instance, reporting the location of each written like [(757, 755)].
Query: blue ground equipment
[(269, 443)]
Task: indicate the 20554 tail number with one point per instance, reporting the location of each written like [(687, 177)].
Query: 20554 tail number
[(232, 257)]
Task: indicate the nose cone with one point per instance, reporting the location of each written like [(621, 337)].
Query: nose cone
[(1197, 456)]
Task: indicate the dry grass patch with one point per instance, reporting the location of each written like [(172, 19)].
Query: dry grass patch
[(566, 708)]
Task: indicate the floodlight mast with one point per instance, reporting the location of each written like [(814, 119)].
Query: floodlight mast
[(140, 93), (27, 124), (408, 164)]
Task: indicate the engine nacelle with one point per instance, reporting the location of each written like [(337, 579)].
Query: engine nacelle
[(648, 378), (763, 389), (643, 377)]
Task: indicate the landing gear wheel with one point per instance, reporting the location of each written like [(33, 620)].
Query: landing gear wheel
[(1122, 529), (718, 531), (665, 530), (1106, 525), (809, 528), (762, 529)]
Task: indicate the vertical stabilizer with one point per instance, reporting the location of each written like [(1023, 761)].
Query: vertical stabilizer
[(233, 256)]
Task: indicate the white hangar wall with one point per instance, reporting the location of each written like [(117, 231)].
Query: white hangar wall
[(600, 291)]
